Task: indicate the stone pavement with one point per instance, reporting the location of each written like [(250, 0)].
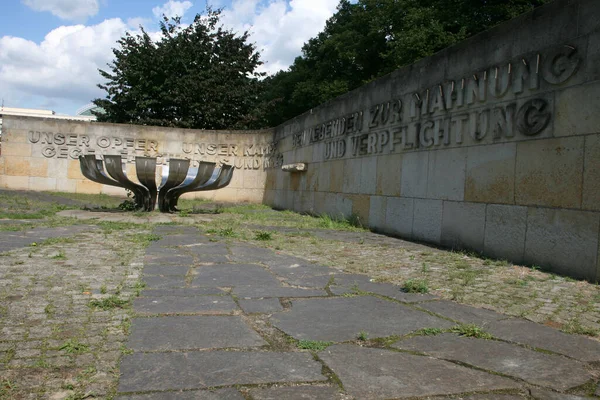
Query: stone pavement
[(225, 320)]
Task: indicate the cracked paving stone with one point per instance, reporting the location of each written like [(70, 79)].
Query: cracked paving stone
[(547, 370), (374, 374), (184, 305), (222, 394), (340, 319), (164, 282), (197, 370), (463, 314), (540, 394), (296, 393), (382, 289), (233, 275), (162, 260), (262, 306), (494, 397), (543, 337), (165, 269), (184, 292), (185, 333), (259, 292)]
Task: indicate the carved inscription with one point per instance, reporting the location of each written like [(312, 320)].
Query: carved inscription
[(63, 145), (498, 103)]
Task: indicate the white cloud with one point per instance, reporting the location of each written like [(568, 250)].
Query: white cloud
[(172, 9), (279, 29), (74, 10), (63, 67)]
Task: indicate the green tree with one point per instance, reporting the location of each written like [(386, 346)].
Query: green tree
[(198, 76), (367, 39)]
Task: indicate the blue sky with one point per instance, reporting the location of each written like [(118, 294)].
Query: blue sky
[(50, 50)]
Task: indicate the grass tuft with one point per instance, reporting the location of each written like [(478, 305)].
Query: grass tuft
[(314, 345), (416, 286), (109, 303)]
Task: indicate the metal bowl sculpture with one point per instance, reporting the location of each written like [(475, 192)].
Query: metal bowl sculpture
[(177, 178)]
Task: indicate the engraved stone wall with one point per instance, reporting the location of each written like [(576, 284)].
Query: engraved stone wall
[(490, 145), (42, 154)]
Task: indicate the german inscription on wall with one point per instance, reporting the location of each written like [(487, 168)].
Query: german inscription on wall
[(501, 103), (63, 145)]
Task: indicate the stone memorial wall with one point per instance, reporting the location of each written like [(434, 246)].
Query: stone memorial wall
[(491, 145), (42, 154)]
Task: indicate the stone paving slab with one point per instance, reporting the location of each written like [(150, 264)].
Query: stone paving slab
[(222, 394), (197, 370), (264, 306), (15, 240), (184, 292), (463, 314), (258, 292), (494, 397), (173, 259), (296, 393), (541, 394), (543, 337), (340, 319), (382, 289), (164, 282), (184, 305), (154, 269), (186, 333), (547, 370), (373, 374), (233, 275)]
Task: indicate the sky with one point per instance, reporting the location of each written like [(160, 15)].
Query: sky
[(51, 50)]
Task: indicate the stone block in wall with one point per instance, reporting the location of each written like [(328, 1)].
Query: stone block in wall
[(16, 149), (336, 176), (463, 225), (42, 184), (269, 197), (87, 186), (2, 171), (338, 205), (16, 182), (377, 212), (74, 170), (427, 222), (589, 15), (249, 195), (304, 202), (414, 174), (226, 195), (505, 228), (549, 172), (361, 207), (577, 110), (17, 166), (399, 216), (319, 206), (591, 174), (368, 175), (58, 168), (446, 175), (491, 173), (14, 136), (546, 26), (389, 174), (113, 191), (38, 167), (324, 183), (565, 241), (70, 186), (352, 169), (592, 67)]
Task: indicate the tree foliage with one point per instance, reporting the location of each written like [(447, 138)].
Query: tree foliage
[(197, 76), (370, 38)]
